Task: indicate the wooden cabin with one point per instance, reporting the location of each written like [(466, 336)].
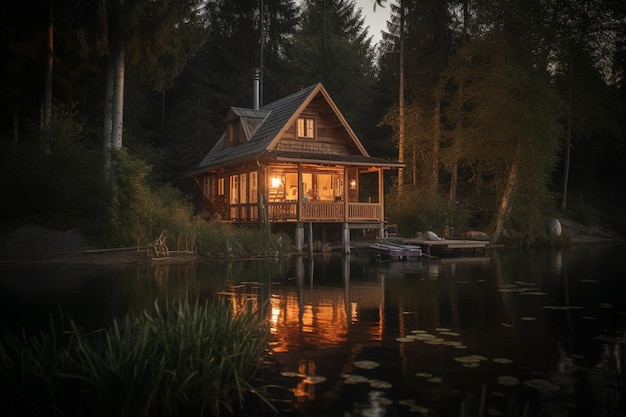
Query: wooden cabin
[(296, 161)]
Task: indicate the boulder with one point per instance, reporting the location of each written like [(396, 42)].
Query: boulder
[(553, 227), (431, 236)]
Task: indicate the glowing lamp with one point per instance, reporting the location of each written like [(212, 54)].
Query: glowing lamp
[(276, 182)]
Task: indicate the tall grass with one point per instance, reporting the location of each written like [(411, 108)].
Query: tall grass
[(176, 359)]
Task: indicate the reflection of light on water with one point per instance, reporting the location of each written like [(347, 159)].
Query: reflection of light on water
[(556, 265), (354, 313), (275, 314), (307, 319), (305, 390), (433, 270)]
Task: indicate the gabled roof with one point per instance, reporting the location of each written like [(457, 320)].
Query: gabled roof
[(275, 118)]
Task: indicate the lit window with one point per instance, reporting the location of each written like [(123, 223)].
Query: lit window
[(306, 128), (253, 187), (234, 189), (243, 196)]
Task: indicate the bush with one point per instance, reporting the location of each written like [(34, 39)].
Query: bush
[(414, 211), (142, 213)]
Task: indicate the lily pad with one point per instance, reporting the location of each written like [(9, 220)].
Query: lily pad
[(292, 374), (424, 336), (355, 379), (471, 365), (470, 359), (314, 379), (366, 364), (405, 339), (541, 385), (375, 383), (508, 381)]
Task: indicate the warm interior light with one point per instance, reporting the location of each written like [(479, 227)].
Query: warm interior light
[(353, 184), (276, 183)]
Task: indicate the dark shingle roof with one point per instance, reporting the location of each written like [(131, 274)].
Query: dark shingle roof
[(272, 119), (278, 114)]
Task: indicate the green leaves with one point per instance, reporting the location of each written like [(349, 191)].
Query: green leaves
[(179, 358)]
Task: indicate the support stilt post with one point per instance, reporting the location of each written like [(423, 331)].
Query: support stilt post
[(310, 227), (299, 237), (345, 240)]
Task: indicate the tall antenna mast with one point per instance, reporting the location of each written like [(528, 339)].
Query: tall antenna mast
[(262, 47)]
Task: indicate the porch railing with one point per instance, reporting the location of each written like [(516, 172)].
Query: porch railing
[(364, 211), (323, 211)]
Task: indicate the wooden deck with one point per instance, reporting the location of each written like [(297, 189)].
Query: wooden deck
[(449, 247)]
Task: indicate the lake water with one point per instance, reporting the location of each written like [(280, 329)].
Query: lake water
[(542, 329)]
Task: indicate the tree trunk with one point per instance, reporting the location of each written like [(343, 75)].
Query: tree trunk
[(117, 117), (47, 117), (453, 184), (507, 196), (401, 132), (118, 101), (108, 119), (434, 168), (414, 162), (568, 143)]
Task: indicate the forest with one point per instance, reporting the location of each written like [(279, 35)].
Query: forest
[(505, 112)]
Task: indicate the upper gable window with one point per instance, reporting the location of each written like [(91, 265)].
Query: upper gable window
[(306, 128)]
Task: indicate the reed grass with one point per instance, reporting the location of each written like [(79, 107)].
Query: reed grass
[(176, 359)]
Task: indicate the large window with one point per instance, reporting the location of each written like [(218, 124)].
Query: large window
[(253, 187), (243, 196), (234, 189), (306, 128)]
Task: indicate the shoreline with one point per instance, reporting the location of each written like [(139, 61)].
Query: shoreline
[(37, 246)]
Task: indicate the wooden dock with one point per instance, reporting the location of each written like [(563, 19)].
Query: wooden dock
[(449, 247)]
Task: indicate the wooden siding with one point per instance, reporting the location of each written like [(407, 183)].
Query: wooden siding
[(329, 138)]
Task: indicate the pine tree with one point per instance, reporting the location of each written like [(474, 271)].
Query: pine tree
[(334, 47)]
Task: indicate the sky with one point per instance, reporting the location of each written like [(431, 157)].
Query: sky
[(376, 20)]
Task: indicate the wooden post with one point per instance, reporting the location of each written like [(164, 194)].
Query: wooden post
[(299, 237), (310, 227), (345, 241)]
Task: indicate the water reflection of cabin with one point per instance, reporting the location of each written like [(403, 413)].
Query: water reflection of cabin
[(296, 161)]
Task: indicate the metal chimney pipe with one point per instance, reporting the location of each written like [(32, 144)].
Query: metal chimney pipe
[(255, 88)]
